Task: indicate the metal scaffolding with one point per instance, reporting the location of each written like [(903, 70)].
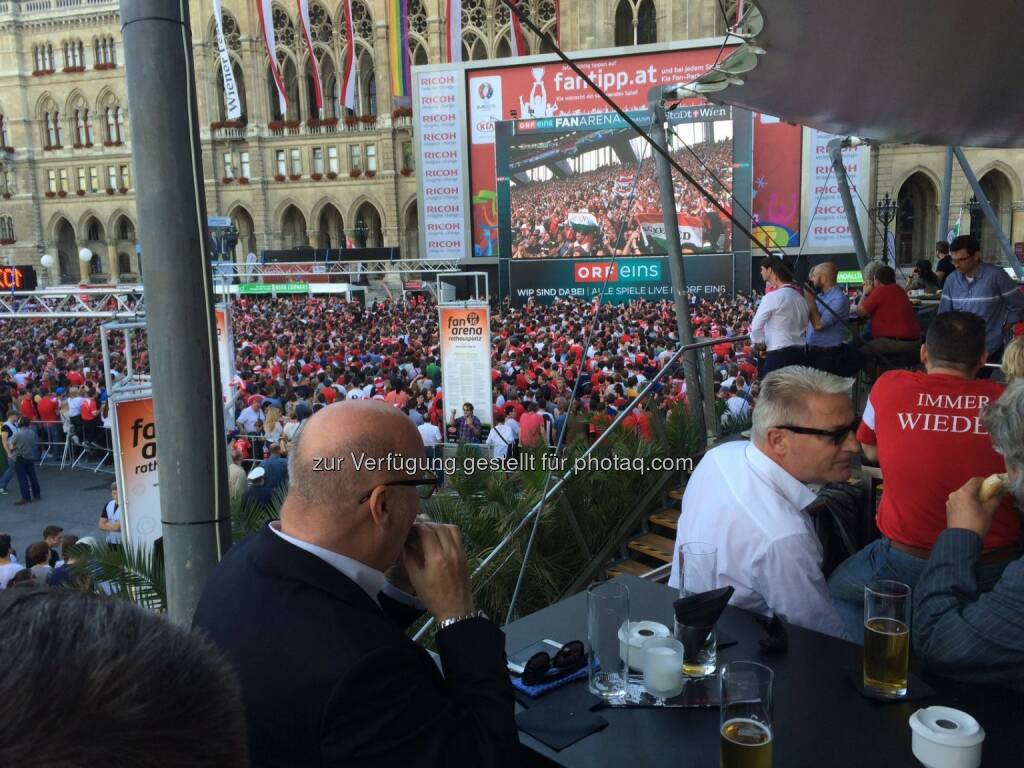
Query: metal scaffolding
[(124, 303)]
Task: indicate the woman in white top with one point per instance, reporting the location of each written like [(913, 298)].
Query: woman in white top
[(273, 429), (500, 437)]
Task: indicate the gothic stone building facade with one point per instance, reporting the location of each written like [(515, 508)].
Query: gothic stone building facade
[(285, 180)]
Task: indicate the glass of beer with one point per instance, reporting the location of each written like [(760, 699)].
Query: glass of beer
[(697, 573), (746, 723), (886, 637), (607, 611)]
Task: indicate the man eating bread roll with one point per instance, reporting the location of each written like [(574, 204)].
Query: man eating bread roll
[(959, 631)]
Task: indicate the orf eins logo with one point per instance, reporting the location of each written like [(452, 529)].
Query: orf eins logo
[(485, 90)]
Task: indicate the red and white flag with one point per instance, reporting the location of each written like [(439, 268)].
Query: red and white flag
[(266, 14), (318, 91), (453, 40), (518, 41), (348, 66)]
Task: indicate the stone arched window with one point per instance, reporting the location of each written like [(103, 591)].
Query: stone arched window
[(487, 29), (418, 33), (50, 124), (636, 22), (6, 229)]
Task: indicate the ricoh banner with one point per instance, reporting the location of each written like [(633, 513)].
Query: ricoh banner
[(440, 103)]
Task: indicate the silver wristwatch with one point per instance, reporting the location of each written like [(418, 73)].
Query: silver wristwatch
[(477, 614)]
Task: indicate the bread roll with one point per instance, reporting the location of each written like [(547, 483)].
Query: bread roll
[(994, 485)]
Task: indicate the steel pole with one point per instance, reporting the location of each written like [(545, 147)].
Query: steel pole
[(947, 183), (986, 208), (179, 296), (835, 151), (677, 270)]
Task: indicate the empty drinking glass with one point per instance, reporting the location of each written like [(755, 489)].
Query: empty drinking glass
[(607, 611)]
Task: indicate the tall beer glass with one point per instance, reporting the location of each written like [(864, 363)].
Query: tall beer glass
[(607, 611), (697, 573), (886, 637), (746, 723)]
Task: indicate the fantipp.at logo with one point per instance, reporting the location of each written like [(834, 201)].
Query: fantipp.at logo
[(485, 90)]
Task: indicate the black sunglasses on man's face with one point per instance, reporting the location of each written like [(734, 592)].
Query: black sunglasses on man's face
[(837, 435)]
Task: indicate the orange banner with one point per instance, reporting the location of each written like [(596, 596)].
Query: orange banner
[(140, 491), (466, 360)]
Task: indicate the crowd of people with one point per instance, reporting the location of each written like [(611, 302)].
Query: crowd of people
[(541, 211), (330, 588)]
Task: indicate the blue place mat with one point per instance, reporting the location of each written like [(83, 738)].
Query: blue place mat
[(533, 691)]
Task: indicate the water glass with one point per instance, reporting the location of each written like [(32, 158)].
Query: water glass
[(697, 573), (886, 637), (607, 611), (663, 667), (745, 733)]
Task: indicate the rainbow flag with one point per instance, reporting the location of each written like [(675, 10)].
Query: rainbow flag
[(398, 43)]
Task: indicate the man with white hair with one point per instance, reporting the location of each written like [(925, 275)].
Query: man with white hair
[(957, 631), (747, 498)]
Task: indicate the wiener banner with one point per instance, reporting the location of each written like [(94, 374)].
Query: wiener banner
[(225, 349), (466, 359), (139, 486)]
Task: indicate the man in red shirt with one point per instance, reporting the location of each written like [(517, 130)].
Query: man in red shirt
[(926, 432), (895, 332), (532, 427)]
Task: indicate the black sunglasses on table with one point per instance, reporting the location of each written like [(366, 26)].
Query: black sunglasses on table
[(837, 435), (425, 487), (569, 659)]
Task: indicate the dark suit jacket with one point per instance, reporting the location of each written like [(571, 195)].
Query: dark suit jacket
[(330, 679), (961, 633)]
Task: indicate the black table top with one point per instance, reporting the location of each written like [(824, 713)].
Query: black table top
[(820, 718)]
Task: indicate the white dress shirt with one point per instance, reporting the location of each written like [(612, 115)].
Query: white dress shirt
[(430, 434), (370, 580), (749, 508), (781, 319)]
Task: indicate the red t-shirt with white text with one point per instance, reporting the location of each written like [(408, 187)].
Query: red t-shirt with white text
[(931, 441)]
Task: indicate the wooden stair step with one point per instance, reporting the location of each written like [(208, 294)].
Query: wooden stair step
[(676, 493), (653, 545), (630, 567), (666, 518)]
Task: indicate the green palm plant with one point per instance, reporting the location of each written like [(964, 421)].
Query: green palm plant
[(486, 506)]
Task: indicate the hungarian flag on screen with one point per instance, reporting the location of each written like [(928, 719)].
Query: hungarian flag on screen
[(583, 222), (691, 230)]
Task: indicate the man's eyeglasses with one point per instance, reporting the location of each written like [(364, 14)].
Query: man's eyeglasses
[(425, 487), (837, 435)]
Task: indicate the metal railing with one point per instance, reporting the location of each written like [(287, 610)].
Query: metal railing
[(556, 487)]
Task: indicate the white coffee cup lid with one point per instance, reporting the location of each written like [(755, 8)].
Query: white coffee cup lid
[(947, 726)]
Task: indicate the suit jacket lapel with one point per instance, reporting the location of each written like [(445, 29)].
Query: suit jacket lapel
[(275, 554)]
